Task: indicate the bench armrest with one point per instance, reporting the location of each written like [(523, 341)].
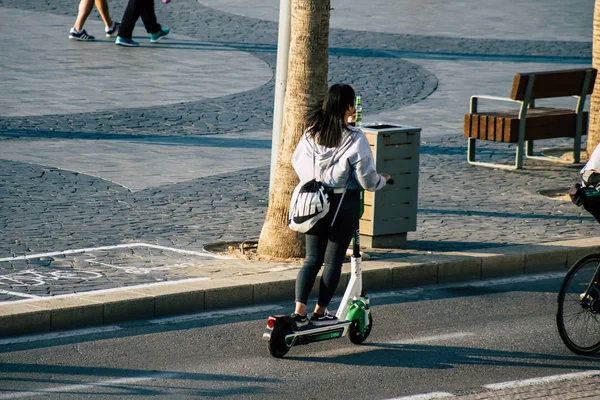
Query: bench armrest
[(473, 103)]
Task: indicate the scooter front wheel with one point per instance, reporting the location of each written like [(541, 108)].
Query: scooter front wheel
[(277, 345), (355, 335)]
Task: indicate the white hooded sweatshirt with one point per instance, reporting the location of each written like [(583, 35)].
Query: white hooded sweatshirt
[(349, 164), (593, 163)]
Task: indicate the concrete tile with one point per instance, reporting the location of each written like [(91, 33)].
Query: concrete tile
[(23, 318), (459, 270), (547, 261), (576, 248), (273, 287), (502, 265), (576, 253), (232, 292), (409, 275), (280, 290), (73, 312), (378, 279), (123, 305), (229, 297), (176, 298)]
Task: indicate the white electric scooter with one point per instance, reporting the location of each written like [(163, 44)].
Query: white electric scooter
[(354, 315)]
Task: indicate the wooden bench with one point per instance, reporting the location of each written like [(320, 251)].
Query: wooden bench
[(529, 123)]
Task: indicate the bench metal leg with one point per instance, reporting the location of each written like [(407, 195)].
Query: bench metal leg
[(529, 148), (519, 155), (577, 149), (576, 153), (522, 149), (471, 146)]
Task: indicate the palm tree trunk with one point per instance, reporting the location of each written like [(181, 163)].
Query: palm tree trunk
[(306, 85), (594, 125)]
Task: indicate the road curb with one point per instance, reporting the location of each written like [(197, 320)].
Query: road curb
[(196, 295)]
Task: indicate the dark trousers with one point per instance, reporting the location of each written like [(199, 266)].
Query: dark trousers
[(593, 207), (326, 246), (134, 10)]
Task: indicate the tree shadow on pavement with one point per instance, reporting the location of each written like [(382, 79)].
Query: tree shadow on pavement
[(448, 357), (213, 140), (124, 382)]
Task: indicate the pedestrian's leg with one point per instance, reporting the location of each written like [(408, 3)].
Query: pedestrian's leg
[(149, 17), (85, 8), (332, 268), (102, 6), (339, 239), (315, 250), (130, 16)]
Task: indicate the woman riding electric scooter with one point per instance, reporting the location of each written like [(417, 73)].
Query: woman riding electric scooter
[(329, 135), (339, 156)]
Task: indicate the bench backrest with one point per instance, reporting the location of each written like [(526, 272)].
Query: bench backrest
[(549, 84)]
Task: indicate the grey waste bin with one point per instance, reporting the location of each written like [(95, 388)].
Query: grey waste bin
[(392, 212)]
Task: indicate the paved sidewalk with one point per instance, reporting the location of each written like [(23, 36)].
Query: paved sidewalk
[(118, 166)]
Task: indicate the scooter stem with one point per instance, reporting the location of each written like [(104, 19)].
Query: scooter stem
[(354, 287)]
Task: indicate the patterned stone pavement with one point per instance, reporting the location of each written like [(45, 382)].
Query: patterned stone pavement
[(180, 163)]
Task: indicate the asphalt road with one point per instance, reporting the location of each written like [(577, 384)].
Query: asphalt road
[(451, 339)]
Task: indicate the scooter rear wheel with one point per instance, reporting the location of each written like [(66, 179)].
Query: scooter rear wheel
[(355, 334), (276, 344)]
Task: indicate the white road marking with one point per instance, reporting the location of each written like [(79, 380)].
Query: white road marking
[(86, 386), (30, 296), (482, 283), (59, 335), (214, 314), (516, 279), (118, 289), (424, 339), (426, 396), (510, 385), (542, 380), (140, 271), (117, 246), (92, 261), (436, 338)]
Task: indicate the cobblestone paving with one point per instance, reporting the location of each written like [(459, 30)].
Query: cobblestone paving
[(45, 209), (570, 390)]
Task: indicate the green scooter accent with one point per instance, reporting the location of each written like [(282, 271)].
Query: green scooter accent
[(354, 314), (357, 312)]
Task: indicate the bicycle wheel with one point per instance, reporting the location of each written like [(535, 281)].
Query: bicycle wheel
[(578, 313)]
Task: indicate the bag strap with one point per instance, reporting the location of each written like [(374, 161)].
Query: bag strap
[(326, 168), (315, 157), (341, 200), (339, 205)]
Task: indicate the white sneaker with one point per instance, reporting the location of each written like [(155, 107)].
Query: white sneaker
[(113, 30), (82, 36), (325, 319), (301, 320)]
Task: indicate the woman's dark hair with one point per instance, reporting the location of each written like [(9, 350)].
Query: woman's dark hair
[(326, 121)]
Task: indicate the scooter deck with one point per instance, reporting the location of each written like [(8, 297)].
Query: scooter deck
[(312, 333), (318, 328)]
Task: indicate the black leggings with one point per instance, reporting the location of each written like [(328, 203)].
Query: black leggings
[(134, 10), (326, 245)]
